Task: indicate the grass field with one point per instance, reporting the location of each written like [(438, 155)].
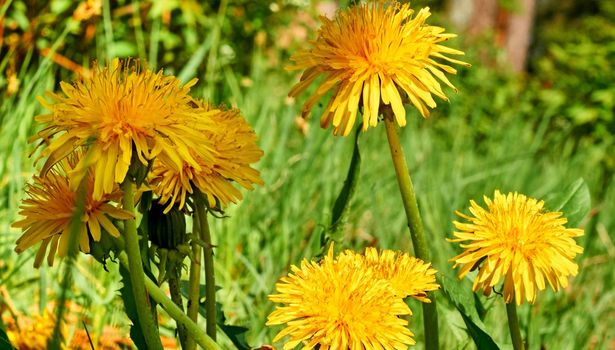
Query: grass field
[(491, 135)]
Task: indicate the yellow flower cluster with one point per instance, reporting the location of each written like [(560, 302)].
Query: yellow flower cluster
[(33, 333), (228, 157), (352, 301), (112, 125)]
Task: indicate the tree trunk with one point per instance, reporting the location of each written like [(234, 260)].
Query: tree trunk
[(519, 34)]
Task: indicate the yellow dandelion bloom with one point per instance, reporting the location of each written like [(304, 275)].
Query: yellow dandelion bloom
[(50, 206), (373, 54), (409, 276), (515, 239), (336, 304), (225, 154), (115, 111), (27, 333)]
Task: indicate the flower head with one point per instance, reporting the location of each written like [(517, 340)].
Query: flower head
[(409, 276), (374, 54), (49, 209), (121, 113), (515, 239), (339, 304), (228, 148), (32, 333)]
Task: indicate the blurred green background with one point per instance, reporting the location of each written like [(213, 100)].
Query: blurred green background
[(534, 113)]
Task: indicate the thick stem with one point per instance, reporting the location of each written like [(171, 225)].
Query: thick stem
[(415, 224), (210, 280), (176, 296), (194, 282), (137, 275), (513, 325), (178, 315)]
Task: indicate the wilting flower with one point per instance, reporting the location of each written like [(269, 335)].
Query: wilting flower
[(339, 304), (409, 276), (50, 206), (227, 150), (514, 238), (121, 112), (375, 54)]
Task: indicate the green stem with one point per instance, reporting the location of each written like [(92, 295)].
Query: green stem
[(415, 224), (194, 286), (513, 325), (57, 339), (210, 280), (175, 312), (137, 275), (176, 296)]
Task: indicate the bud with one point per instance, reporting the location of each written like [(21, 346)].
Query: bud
[(166, 231)]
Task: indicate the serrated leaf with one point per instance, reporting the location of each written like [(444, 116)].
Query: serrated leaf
[(131, 309), (342, 202), (460, 294), (480, 337), (236, 334), (574, 201)]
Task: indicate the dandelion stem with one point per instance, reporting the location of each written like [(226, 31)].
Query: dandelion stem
[(415, 224), (210, 280), (194, 282), (175, 312), (137, 275), (513, 325)]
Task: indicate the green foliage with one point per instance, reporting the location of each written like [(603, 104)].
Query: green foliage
[(574, 201), (459, 293), (342, 202), (574, 82), (131, 309), (535, 135), (5, 344)]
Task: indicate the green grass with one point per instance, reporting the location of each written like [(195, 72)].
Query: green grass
[(488, 137)]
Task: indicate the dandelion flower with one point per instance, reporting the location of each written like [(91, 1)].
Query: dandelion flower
[(375, 54), (407, 275), (121, 112), (227, 150), (516, 240), (338, 305), (49, 209), (32, 333)]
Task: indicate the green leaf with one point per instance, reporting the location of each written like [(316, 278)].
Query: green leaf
[(574, 201), (131, 309), (342, 202), (480, 337), (5, 344), (236, 334), (460, 294)]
